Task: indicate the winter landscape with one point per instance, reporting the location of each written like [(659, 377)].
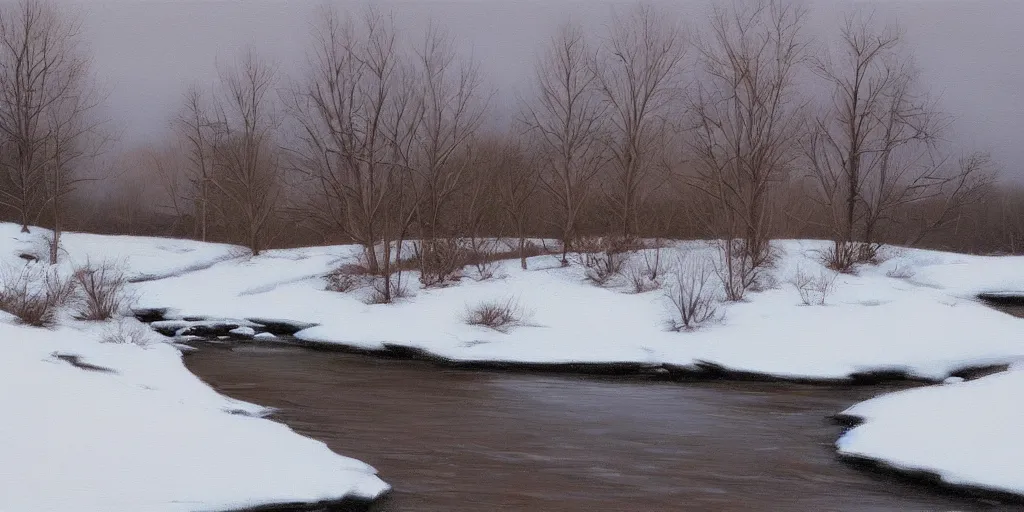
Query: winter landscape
[(745, 262)]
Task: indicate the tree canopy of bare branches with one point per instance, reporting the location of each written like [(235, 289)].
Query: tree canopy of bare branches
[(747, 122), (246, 161), (876, 147), (638, 72), (568, 118)]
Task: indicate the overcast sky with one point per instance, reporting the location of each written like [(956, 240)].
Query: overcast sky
[(147, 51)]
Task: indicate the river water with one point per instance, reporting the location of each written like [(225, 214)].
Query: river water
[(461, 440)]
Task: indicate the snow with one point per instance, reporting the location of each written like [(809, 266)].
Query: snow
[(243, 331), (130, 428), (968, 433), (925, 322), (148, 435)]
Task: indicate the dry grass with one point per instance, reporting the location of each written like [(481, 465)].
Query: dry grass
[(500, 315), (104, 290), (34, 293), (814, 291)]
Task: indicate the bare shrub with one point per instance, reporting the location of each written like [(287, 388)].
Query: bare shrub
[(346, 278), (740, 269), (104, 290), (127, 331), (380, 295), (500, 315), (602, 258), (843, 257), (480, 253), (440, 260), (814, 291), (898, 272), (691, 294), (640, 279), (653, 265), (34, 293)]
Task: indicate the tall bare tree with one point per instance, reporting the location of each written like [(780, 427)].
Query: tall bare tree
[(517, 181), (195, 127), (359, 118), (747, 125), (638, 71), (876, 147), (245, 150), (42, 67), (451, 110), (567, 117)]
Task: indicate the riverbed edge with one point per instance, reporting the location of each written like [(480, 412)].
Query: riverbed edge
[(917, 476)]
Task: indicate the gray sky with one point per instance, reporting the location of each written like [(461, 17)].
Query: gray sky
[(147, 51)]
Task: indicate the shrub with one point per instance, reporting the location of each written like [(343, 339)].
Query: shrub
[(814, 290), (641, 281), (842, 257), (481, 254), (379, 295), (497, 315), (346, 278), (693, 299), (34, 293), (440, 260), (652, 262), (601, 258), (104, 290)]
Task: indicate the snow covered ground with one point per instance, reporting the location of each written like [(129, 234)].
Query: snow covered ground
[(915, 313), (967, 433), (130, 428), (139, 432)]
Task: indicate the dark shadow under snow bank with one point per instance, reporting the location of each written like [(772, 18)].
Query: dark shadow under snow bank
[(342, 505)]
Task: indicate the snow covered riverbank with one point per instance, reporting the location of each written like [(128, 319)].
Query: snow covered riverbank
[(914, 314), (93, 426), (101, 426), (964, 434)]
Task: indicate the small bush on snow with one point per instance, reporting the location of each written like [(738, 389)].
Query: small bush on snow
[(640, 280), (346, 278), (104, 290), (689, 289), (814, 290), (33, 293), (602, 258), (399, 290), (496, 314)]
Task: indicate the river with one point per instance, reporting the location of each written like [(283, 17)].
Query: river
[(462, 440)]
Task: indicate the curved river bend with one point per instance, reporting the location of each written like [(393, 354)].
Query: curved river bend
[(459, 440)]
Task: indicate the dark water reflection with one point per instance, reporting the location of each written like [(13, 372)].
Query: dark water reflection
[(450, 440)]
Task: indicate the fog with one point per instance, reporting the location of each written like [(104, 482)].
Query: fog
[(147, 52)]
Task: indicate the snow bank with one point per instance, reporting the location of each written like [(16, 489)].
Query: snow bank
[(913, 314), (92, 426), (144, 257), (967, 433)]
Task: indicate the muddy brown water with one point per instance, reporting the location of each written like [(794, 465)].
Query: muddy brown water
[(463, 440)]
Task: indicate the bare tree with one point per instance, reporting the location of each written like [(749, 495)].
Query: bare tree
[(246, 160), (747, 126), (518, 180), (42, 68), (450, 112), (359, 119), (876, 148), (567, 117), (195, 128), (638, 71)]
